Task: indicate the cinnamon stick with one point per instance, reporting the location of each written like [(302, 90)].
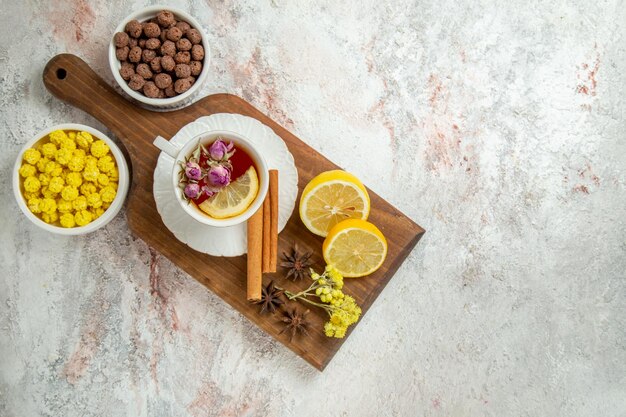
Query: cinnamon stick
[(273, 219), (266, 233), (255, 251)]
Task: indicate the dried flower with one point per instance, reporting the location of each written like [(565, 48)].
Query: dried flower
[(295, 322), (270, 298), (297, 263), (193, 171), (219, 176), (219, 151), (192, 190)]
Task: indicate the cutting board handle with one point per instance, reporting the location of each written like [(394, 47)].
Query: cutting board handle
[(70, 79)]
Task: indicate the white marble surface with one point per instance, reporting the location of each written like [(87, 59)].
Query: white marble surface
[(498, 126)]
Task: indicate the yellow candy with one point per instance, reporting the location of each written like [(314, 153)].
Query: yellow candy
[(72, 135), (57, 136), (31, 156), (83, 217), (79, 152), (114, 174), (93, 200), (31, 184), (68, 144), (87, 188), (64, 206), (48, 205), (113, 184), (69, 193), (103, 180), (106, 163), (106, 205), (53, 169), (76, 163), (107, 194), (75, 179), (28, 170), (33, 205), (50, 217), (44, 179), (47, 193), (91, 174), (41, 164), (84, 139), (48, 150), (63, 155), (99, 148), (67, 220), (80, 203), (91, 161), (56, 184), (97, 212), (28, 196)]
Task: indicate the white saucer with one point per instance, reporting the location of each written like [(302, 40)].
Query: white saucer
[(224, 241)]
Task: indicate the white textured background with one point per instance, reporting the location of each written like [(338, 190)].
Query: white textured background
[(498, 126)]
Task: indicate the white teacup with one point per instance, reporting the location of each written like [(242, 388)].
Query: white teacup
[(179, 154)]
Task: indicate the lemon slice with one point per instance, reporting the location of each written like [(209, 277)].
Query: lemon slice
[(331, 197), (355, 247), (233, 199)]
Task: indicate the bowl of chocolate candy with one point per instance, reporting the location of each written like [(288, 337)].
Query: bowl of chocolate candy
[(160, 57)]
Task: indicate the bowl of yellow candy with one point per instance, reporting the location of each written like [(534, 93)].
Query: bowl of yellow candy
[(70, 179)]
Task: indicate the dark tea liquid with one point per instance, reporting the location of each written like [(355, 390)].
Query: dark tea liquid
[(240, 162)]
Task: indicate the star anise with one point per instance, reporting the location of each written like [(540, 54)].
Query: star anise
[(270, 298), (297, 263), (295, 322)]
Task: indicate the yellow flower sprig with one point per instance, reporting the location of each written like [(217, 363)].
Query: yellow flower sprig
[(342, 309)]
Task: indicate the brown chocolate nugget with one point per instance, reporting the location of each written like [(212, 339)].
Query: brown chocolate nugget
[(183, 84), (163, 35), (168, 48), (166, 18), (148, 55), (183, 44), (183, 26), (132, 42), (161, 94), (196, 68), (127, 70), (141, 43), (151, 30), (135, 54), (182, 70), (136, 82), (163, 80), (155, 65), (122, 53), (121, 39), (150, 89), (182, 57), (174, 34), (169, 91), (153, 43), (197, 53), (194, 36), (134, 28), (168, 63), (144, 71)]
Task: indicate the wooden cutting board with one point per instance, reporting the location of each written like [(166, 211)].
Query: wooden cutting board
[(70, 79)]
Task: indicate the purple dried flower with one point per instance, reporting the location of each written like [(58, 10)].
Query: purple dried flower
[(193, 171), (219, 176), (220, 151), (192, 190)]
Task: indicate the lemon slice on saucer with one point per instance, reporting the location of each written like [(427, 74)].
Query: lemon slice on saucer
[(355, 247), (233, 199), (331, 197)]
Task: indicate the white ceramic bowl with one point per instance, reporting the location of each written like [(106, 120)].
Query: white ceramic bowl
[(179, 155), (109, 214), (162, 104)]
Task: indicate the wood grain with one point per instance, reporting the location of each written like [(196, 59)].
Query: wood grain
[(70, 79)]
